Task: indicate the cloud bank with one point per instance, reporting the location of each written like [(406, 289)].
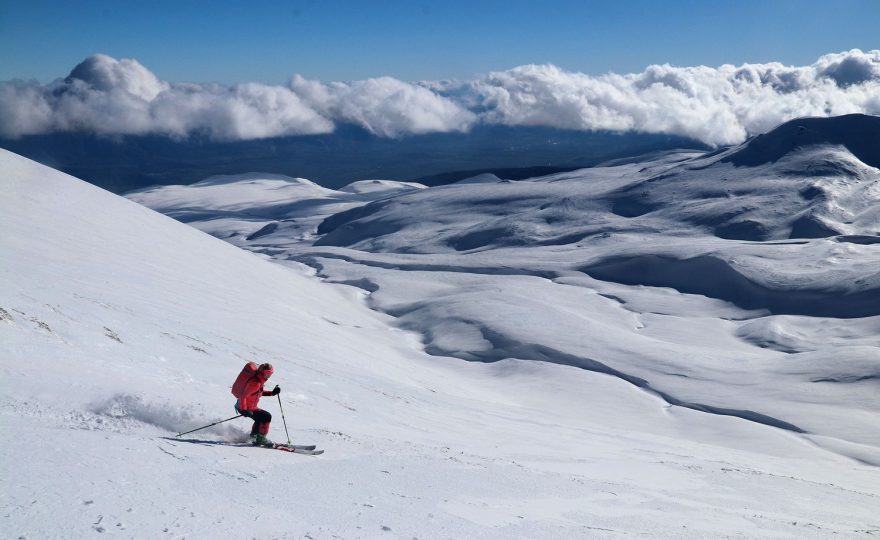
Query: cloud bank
[(718, 106)]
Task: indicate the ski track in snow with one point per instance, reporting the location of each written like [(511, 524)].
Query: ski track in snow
[(483, 370)]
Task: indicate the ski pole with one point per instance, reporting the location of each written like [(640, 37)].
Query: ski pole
[(282, 417), (209, 425)]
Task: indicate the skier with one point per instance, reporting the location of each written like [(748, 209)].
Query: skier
[(247, 404)]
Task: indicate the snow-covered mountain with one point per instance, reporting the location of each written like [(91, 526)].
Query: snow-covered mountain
[(245, 207), (798, 181), (591, 354), (723, 271)]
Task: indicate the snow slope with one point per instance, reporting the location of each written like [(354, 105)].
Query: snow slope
[(122, 327), (272, 208)]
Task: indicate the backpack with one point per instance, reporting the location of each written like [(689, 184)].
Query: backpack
[(248, 372)]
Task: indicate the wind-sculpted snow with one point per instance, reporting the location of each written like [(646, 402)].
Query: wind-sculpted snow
[(681, 348), (716, 105), (792, 334), (446, 338), (717, 278)]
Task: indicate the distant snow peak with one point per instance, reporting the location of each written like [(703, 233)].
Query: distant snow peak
[(858, 133), (375, 186), (485, 178), (222, 179)]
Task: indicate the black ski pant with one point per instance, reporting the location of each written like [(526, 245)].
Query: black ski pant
[(261, 420)]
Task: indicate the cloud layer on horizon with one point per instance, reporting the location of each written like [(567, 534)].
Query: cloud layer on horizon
[(717, 106)]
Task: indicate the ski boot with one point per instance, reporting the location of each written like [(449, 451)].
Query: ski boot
[(258, 439)]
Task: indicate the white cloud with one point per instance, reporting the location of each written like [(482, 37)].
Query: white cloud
[(23, 109), (385, 106), (720, 105), (715, 105), (108, 96), (107, 74), (850, 68), (246, 111)]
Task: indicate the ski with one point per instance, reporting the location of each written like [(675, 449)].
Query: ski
[(297, 449), (307, 449), (299, 446)]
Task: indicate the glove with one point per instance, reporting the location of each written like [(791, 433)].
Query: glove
[(276, 390)]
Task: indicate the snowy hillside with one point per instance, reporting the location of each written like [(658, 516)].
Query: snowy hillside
[(735, 282), (498, 359)]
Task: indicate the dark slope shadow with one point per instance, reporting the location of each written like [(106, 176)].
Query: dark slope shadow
[(858, 239), (715, 278)]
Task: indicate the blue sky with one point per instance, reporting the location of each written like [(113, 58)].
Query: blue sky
[(230, 42)]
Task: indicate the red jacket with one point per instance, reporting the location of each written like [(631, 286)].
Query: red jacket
[(253, 391)]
